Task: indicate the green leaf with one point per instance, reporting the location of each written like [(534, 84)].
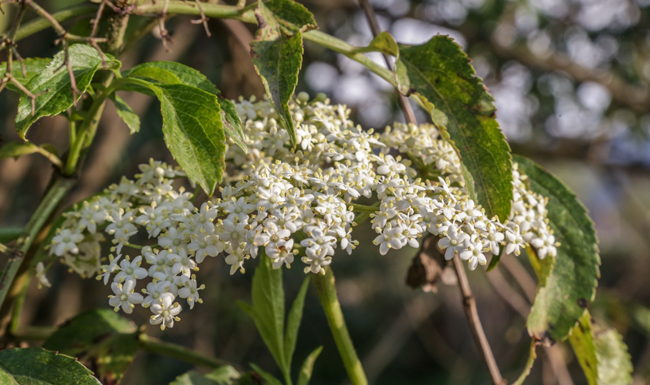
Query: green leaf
[(224, 375), (33, 66), (193, 132), (16, 149), (383, 43), (293, 322), (441, 74), (567, 283), (126, 113), (101, 339), (53, 84), (268, 307), (277, 55), (167, 72), (308, 366), (232, 123), (601, 353), (292, 17), (31, 366), (175, 73), (268, 377)]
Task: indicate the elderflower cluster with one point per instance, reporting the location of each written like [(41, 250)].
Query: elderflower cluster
[(290, 203)]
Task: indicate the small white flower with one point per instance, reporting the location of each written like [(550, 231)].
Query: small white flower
[(131, 270), (545, 245), (454, 242), (165, 311), (124, 296), (191, 292), (65, 241), (40, 276)]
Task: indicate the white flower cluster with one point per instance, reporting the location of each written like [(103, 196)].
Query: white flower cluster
[(288, 203)]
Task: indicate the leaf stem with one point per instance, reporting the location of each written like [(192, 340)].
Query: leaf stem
[(154, 345), (326, 289), (366, 209), (469, 304)]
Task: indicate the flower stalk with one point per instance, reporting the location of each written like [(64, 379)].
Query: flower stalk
[(326, 289)]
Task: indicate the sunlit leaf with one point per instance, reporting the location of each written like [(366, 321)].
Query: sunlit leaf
[(441, 74), (567, 283)]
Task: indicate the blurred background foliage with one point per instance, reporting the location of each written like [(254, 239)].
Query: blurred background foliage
[(570, 79)]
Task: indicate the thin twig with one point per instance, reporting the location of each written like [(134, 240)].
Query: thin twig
[(518, 303), (203, 20), (374, 27), (164, 34), (98, 16), (469, 304)]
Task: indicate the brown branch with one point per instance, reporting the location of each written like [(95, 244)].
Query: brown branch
[(469, 304), (374, 27)]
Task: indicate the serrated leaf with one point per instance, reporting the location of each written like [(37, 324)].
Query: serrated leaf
[(55, 80), (16, 149), (602, 354), (30, 366), (193, 132), (383, 43), (441, 74), (101, 339), (293, 322), (268, 307), (614, 364), (33, 66), (167, 72), (225, 375), (291, 16), (567, 283), (268, 377), (308, 366), (127, 114), (176, 73), (277, 57)]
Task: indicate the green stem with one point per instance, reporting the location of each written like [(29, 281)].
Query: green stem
[(326, 289), (157, 346), (60, 186), (85, 132), (18, 307), (366, 209)]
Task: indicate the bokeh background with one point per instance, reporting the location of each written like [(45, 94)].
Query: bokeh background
[(570, 79)]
